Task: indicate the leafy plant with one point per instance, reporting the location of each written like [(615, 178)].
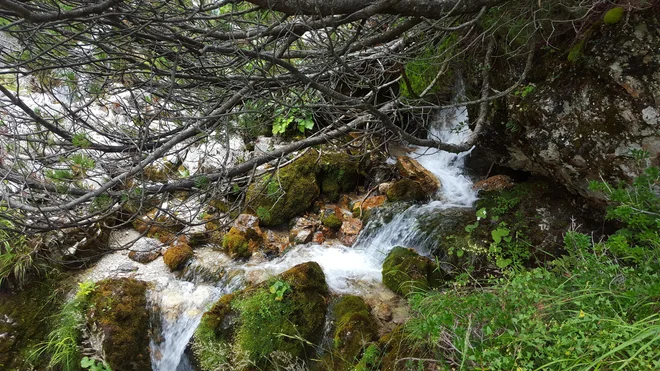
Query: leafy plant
[(93, 365), (284, 118), (80, 140), (279, 288)]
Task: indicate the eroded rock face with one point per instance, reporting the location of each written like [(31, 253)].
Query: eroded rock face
[(583, 119)]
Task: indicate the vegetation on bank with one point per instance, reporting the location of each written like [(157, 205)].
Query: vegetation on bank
[(595, 307)]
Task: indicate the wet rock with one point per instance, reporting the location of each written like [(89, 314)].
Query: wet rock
[(411, 169), (405, 271), (368, 204), (318, 237), (263, 325), (276, 242), (384, 187), (144, 250), (118, 321), (494, 183), (406, 190), (303, 230), (349, 231)]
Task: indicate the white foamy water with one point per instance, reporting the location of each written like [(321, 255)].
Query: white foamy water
[(180, 304)]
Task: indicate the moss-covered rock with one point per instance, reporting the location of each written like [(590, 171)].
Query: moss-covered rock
[(238, 245), (264, 324), (355, 329), (119, 320), (177, 255), (405, 271), (406, 190), (339, 174), (331, 221), (278, 197)]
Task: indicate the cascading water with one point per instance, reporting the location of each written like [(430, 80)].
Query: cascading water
[(180, 303)]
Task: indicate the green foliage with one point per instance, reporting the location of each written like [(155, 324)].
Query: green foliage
[(285, 117), (18, 261), (594, 308), (81, 141), (201, 182), (524, 91), (60, 175), (263, 213), (93, 365), (421, 72), (638, 207), (63, 341), (614, 15), (279, 288)]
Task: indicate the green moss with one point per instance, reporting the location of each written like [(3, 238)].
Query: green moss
[(235, 244), (30, 311), (332, 221), (286, 194), (355, 329), (613, 16), (339, 173), (118, 309), (405, 271), (406, 190), (176, 256), (252, 325)]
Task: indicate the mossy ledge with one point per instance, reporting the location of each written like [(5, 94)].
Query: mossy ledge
[(118, 316), (274, 323)]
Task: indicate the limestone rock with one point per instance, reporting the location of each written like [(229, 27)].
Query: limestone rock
[(585, 120), (412, 169)]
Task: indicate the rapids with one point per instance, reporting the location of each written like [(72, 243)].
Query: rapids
[(178, 303)]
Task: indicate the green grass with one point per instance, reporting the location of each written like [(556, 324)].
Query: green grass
[(595, 308), (63, 343)]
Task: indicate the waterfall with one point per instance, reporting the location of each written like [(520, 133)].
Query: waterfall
[(178, 303)]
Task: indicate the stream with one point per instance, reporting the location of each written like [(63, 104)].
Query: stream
[(178, 303)]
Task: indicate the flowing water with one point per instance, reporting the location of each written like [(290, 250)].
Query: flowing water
[(179, 304)]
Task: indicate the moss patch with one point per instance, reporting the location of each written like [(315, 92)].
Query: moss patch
[(118, 309), (283, 315), (24, 323), (405, 271), (289, 192), (332, 221), (176, 256), (339, 173), (355, 329)]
